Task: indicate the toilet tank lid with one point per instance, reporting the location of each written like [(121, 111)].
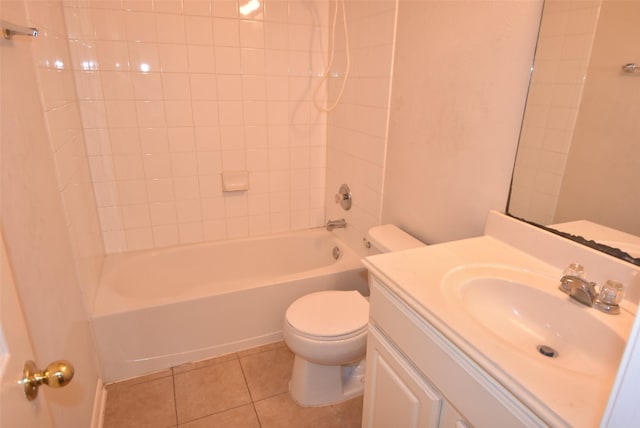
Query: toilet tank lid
[(389, 237)]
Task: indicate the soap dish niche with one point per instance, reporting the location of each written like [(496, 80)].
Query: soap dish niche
[(235, 181)]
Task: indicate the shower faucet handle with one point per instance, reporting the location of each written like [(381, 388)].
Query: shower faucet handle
[(343, 197)]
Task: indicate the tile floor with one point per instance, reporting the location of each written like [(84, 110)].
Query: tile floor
[(247, 389)]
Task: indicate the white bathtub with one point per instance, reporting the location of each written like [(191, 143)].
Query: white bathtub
[(156, 309)]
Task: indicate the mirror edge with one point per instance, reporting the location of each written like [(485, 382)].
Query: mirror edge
[(612, 251)]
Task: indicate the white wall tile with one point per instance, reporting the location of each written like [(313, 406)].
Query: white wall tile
[(197, 7), (226, 32), (186, 187), (191, 232), (170, 28), (160, 189), (237, 227), (214, 230), (225, 8), (132, 192), (172, 93), (163, 213), (139, 239), (165, 235), (173, 58), (175, 86)]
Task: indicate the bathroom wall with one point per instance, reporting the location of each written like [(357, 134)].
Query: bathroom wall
[(459, 85), (602, 172), (38, 212), (174, 92), (357, 127), (562, 60), (67, 144)]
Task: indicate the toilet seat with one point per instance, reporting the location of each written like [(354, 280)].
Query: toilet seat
[(329, 315)]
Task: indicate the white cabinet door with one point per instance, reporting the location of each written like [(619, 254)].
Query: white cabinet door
[(15, 349), (395, 394)]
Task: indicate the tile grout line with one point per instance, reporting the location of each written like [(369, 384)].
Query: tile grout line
[(235, 356), (253, 403), (175, 398), (212, 414)]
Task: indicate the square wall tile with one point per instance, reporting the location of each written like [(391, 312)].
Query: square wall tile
[(174, 92)]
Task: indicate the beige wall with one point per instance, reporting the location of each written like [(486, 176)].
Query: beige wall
[(66, 141), (38, 212), (460, 80), (601, 180)]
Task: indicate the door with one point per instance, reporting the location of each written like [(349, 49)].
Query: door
[(15, 349)]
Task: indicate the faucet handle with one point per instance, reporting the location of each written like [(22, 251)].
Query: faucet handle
[(343, 197), (612, 292), (570, 275), (575, 269)]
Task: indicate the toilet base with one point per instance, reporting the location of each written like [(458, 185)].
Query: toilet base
[(314, 385)]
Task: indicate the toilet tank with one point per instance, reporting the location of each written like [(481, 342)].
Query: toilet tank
[(389, 237)]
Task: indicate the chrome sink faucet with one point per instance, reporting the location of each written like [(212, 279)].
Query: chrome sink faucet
[(578, 288), (336, 224)]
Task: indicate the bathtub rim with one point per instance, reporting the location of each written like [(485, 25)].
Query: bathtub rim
[(108, 302)]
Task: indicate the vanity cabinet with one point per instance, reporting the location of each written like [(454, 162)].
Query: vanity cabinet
[(417, 378), (398, 395)]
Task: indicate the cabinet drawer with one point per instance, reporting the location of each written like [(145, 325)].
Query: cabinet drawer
[(483, 401)]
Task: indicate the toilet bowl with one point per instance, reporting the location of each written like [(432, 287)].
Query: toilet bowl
[(327, 349), (327, 332)]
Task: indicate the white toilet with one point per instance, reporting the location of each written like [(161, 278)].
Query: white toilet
[(327, 332)]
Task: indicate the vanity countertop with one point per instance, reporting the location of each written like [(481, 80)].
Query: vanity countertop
[(563, 390)]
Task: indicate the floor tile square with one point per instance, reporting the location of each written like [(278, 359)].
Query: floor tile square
[(248, 389), (281, 411), (210, 390), (240, 417), (259, 349), (139, 379), (203, 363), (147, 404), (268, 372)]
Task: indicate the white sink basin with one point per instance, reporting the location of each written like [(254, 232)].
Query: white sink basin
[(525, 311)]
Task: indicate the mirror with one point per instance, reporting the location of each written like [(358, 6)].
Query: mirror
[(577, 169)]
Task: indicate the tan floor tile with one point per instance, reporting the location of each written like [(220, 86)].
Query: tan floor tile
[(148, 404), (203, 363), (349, 413), (139, 379), (213, 393), (240, 417), (268, 372), (262, 348), (282, 412), (210, 390)]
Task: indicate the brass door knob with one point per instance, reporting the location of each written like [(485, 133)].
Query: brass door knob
[(56, 375)]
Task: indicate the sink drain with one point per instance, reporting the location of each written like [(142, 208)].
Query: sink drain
[(547, 351)]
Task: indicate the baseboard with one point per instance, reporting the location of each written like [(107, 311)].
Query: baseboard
[(98, 405)]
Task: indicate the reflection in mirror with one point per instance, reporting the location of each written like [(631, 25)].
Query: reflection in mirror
[(578, 163)]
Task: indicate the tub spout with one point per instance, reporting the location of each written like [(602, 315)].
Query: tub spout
[(336, 224)]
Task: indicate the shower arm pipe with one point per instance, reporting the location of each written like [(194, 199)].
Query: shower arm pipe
[(325, 75)]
